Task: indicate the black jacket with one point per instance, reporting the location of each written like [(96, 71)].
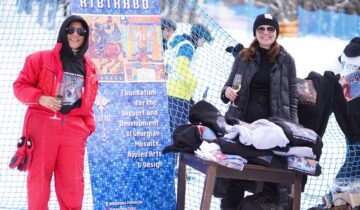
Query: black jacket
[(316, 116), (283, 91), (347, 115)]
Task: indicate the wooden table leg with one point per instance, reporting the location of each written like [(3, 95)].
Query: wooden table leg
[(259, 186), (208, 187), (297, 191), (180, 204)]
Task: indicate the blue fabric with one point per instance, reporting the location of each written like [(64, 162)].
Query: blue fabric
[(351, 167), (185, 50)]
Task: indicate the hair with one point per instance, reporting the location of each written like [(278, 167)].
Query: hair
[(272, 53)]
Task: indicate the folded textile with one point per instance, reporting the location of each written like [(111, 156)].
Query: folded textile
[(298, 152), (186, 138), (300, 136), (212, 152), (303, 165), (262, 134)]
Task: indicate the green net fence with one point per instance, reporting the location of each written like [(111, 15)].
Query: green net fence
[(30, 25)]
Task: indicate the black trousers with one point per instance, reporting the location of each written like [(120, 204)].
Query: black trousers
[(257, 108)]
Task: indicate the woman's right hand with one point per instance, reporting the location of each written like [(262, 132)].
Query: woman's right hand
[(50, 102), (231, 94)]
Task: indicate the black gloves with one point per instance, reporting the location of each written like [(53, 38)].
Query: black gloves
[(234, 50)]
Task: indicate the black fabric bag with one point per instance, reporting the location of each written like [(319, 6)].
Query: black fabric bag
[(204, 113)]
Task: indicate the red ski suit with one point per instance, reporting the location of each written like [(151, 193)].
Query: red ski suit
[(59, 145)]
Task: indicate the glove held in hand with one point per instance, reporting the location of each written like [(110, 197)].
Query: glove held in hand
[(19, 155), (22, 157)]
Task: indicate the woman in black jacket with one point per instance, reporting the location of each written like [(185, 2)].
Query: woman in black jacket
[(267, 87)]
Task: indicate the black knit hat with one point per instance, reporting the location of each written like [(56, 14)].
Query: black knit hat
[(266, 19), (353, 48), (167, 23), (201, 31)]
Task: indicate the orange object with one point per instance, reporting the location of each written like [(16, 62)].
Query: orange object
[(289, 28)]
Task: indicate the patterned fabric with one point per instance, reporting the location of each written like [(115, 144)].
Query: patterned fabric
[(351, 85), (304, 165), (307, 92)]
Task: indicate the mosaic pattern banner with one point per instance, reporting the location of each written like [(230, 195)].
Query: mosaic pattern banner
[(127, 168), (126, 48)]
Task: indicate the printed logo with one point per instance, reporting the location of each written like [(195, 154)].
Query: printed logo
[(101, 101)]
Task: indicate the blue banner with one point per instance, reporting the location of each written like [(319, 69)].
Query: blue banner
[(127, 168), (116, 7)]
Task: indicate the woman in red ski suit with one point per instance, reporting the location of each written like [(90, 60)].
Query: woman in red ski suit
[(58, 144)]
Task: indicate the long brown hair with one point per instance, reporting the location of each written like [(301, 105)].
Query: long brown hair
[(272, 53)]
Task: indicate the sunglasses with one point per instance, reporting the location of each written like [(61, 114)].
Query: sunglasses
[(262, 29), (80, 31)]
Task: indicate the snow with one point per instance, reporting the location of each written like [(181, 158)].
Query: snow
[(311, 53), (314, 53)]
